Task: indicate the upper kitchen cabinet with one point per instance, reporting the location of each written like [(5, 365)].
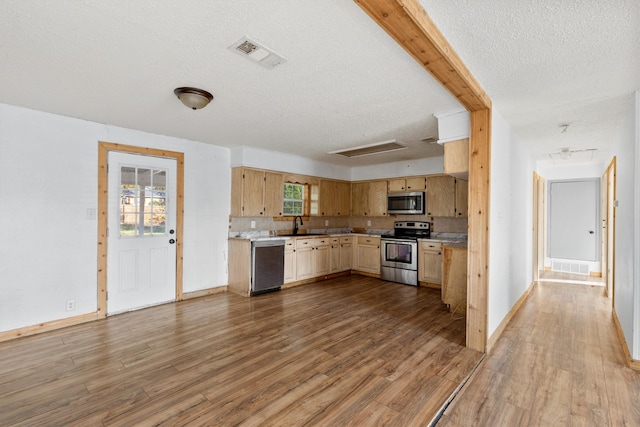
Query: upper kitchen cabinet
[(453, 133), (456, 158), (377, 198), (462, 198), (359, 198), (446, 197), (335, 198), (256, 192), (414, 183), (369, 198), (440, 198)]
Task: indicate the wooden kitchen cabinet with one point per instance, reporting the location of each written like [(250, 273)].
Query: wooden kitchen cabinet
[(334, 251), (377, 198), (239, 281), (454, 278), (322, 258), (273, 194), (462, 198), (397, 185), (256, 192), (289, 261), (430, 264), (456, 158), (359, 198), (335, 198), (414, 183), (304, 258), (440, 196), (346, 253), (368, 254), (369, 198)]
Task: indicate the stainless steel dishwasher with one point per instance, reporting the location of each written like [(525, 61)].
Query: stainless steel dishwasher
[(267, 265)]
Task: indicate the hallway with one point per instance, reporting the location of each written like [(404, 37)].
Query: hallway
[(558, 363)]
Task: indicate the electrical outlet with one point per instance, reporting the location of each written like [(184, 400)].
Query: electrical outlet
[(368, 223), (326, 222), (253, 224), (71, 304)]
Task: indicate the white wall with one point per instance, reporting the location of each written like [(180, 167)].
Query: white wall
[(627, 234), (48, 180), (510, 226), (428, 166), (272, 160), (570, 171), (264, 159)]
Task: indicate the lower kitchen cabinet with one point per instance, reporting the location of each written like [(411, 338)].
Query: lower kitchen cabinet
[(368, 254), (321, 256), (304, 258), (454, 278), (289, 261), (430, 263), (341, 253), (346, 253)]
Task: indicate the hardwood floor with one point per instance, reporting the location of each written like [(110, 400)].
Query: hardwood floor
[(349, 351), (558, 363)]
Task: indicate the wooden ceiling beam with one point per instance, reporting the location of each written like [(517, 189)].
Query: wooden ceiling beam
[(408, 24)]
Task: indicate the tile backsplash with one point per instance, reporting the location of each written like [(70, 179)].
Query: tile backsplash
[(315, 223)]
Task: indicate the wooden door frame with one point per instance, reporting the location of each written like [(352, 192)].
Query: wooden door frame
[(610, 225), (103, 195), (410, 26), (538, 224)]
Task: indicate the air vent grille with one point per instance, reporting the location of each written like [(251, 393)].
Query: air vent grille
[(247, 47), (367, 150), (257, 53)]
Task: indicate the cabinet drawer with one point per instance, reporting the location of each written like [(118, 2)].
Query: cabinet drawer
[(304, 243), (289, 245), (368, 240), (430, 246), (346, 239), (334, 240), (321, 241)]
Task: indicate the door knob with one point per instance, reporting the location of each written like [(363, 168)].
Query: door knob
[(172, 241)]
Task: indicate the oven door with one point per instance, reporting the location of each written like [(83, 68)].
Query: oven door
[(399, 253)]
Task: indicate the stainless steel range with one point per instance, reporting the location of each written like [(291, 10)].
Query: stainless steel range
[(399, 252)]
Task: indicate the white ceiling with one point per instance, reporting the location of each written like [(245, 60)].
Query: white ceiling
[(345, 84)]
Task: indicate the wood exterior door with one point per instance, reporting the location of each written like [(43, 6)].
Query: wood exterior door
[(141, 220)]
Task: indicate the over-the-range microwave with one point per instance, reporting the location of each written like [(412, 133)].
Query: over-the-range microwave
[(406, 203)]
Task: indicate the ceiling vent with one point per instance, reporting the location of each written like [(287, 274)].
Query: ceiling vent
[(367, 150), (257, 53)]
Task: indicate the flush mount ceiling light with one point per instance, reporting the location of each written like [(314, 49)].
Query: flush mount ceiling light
[(366, 150), (192, 97)]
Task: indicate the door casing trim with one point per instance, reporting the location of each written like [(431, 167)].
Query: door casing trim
[(103, 188)]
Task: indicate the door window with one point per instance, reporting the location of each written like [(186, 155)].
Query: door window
[(143, 201)]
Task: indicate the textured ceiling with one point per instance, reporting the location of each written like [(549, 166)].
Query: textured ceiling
[(546, 62), (345, 83)]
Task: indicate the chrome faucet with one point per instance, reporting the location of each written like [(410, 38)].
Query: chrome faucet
[(295, 224)]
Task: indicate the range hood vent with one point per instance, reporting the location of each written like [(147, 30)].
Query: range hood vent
[(367, 150), (257, 53)]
